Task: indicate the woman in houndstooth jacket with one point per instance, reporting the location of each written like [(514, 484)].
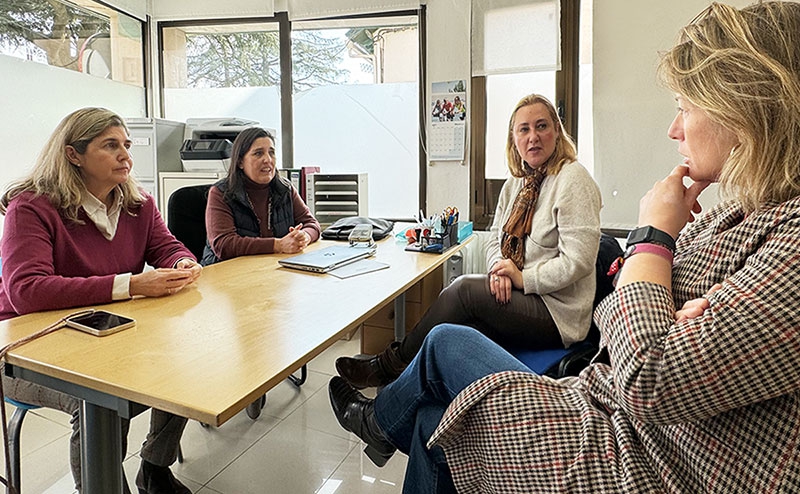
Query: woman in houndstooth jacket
[(702, 399)]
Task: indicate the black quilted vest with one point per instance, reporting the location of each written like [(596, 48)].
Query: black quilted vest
[(245, 219)]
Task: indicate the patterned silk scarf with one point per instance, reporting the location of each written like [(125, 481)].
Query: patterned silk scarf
[(519, 221)]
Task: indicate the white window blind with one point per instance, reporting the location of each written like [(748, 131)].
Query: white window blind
[(315, 9), (211, 9), (511, 36), (134, 8)]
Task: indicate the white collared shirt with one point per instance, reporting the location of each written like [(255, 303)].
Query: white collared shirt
[(106, 221)]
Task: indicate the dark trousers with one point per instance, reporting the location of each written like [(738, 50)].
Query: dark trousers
[(524, 322), (160, 447)]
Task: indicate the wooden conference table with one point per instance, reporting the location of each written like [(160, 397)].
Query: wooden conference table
[(208, 351)]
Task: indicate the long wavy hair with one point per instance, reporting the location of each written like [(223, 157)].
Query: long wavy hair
[(565, 147), (54, 177), (742, 67)]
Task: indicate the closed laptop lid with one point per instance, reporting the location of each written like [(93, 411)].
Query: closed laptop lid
[(325, 259)]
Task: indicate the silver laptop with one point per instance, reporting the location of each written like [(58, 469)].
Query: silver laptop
[(326, 259)]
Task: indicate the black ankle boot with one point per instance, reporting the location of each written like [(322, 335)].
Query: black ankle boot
[(356, 414), (153, 479), (379, 370)]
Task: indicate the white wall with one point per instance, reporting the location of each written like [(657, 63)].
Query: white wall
[(449, 60), (631, 110)]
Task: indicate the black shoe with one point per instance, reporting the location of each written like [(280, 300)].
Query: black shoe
[(356, 414), (379, 370), (153, 479)]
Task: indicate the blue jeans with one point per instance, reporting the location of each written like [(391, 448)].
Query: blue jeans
[(409, 409)]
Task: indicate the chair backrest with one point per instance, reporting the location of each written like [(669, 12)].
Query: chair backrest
[(560, 362), (19, 404), (186, 217), (609, 252)]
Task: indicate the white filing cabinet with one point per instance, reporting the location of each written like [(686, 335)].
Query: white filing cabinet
[(169, 182), (155, 148), (334, 196)]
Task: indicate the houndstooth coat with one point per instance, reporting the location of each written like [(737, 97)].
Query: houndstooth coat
[(706, 405)]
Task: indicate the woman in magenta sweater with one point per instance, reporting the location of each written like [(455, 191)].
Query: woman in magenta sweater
[(78, 231)]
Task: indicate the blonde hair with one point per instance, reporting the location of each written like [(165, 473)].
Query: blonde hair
[(54, 177), (565, 147), (742, 67)]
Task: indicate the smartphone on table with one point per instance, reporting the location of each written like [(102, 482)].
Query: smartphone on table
[(361, 235), (100, 323)]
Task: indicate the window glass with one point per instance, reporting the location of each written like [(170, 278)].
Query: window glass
[(223, 71), (89, 38), (354, 89), (356, 105), (503, 92)]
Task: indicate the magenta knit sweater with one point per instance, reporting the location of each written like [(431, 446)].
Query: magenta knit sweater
[(51, 263)]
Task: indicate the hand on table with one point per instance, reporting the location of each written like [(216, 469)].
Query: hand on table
[(192, 266), (164, 281), (294, 241)]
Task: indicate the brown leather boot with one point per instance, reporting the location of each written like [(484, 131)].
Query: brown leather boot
[(379, 370)]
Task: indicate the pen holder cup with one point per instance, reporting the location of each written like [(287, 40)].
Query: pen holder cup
[(450, 236)]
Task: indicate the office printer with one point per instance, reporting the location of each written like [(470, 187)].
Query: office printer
[(208, 141)]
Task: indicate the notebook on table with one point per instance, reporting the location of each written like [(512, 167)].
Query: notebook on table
[(326, 259)]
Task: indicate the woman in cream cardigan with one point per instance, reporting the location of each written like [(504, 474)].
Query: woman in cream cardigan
[(540, 287)]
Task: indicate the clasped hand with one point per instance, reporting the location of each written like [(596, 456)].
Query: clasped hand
[(503, 277), (165, 281), (294, 241)]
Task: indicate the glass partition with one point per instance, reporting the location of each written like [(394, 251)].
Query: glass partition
[(86, 37)]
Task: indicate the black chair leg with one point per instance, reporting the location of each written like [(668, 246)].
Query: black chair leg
[(298, 381), (180, 454), (14, 431), (254, 409)]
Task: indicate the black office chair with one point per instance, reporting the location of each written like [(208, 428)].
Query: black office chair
[(186, 219), (560, 362), (14, 433)]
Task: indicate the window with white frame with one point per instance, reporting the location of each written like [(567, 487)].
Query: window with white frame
[(354, 96), (365, 116), (521, 47)]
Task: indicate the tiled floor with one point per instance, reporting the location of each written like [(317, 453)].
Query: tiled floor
[(294, 447)]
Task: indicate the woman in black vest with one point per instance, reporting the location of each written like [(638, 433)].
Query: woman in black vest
[(253, 210)]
